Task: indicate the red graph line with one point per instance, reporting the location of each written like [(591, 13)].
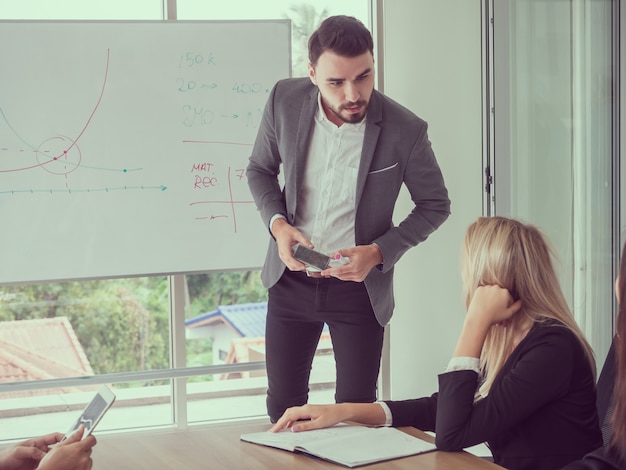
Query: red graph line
[(104, 82), (73, 144), (232, 206), (54, 159)]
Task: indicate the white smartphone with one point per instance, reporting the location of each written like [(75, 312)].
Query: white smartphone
[(93, 412)]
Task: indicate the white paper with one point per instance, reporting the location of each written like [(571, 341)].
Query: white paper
[(345, 444)]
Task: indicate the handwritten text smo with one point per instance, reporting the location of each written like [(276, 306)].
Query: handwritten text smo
[(202, 87), (202, 116)]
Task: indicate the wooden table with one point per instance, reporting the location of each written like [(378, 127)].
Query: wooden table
[(218, 447)]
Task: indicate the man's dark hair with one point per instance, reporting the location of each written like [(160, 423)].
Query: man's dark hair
[(344, 35)]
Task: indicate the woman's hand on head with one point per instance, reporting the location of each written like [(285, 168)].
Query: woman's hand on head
[(492, 305), (308, 417)]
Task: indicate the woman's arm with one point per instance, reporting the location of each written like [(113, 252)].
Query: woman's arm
[(324, 416)]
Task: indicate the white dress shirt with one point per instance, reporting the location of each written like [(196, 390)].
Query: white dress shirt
[(327, 207)]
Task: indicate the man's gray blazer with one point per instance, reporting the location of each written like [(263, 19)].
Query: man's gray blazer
[(396, 150)]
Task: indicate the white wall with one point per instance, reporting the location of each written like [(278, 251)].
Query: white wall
[(432, 65)]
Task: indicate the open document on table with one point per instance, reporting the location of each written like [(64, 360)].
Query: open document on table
[(348, 445)]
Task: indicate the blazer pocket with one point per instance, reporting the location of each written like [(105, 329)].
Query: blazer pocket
[(381, 170)]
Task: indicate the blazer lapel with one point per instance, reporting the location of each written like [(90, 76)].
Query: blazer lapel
[(303, 136), (370, 139)]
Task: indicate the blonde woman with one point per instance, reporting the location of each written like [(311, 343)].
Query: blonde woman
[(522, 376)]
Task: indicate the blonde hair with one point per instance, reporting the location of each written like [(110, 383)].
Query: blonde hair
[(516, 256)]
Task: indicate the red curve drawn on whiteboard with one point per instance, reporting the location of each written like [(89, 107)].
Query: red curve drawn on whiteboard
[(54, 159), (106, 74)]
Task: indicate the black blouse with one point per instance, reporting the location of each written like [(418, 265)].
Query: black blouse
[(540, 413)]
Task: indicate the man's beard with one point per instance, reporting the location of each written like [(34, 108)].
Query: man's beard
[(349, 118)]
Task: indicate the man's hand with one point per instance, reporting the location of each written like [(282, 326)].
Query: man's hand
[(362, 259), (286, 237)]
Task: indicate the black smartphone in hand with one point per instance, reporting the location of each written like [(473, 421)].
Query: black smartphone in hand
[(311, 257)]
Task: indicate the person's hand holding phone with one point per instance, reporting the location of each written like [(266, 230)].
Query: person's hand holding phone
[(286, 237), (354, 264), (93, 412), (310, 258), (74, 453), (26, 455)]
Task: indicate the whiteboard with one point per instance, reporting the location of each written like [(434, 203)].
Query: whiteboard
[(123, 145)]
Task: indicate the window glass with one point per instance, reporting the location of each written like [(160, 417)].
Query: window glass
[(84, 328), (79, 329), (225, 326), (81, 10), (223, 310), (55, 410), (557, 171)]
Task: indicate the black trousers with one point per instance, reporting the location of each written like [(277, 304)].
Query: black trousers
[(298, 307)]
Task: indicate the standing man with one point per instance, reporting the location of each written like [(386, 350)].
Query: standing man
[(345, 151)]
